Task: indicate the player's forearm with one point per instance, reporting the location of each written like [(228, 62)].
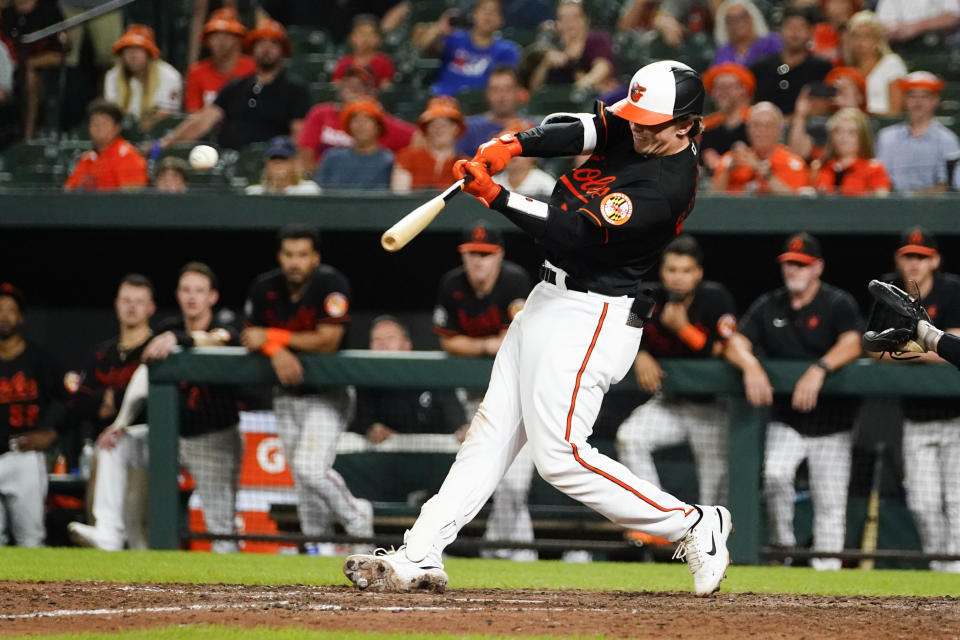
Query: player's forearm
[(326, 339), (948, 348), (843, 352), (545, 223), (575, 135), (470, 346), (739, 353)]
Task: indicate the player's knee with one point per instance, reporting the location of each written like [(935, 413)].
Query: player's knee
[(774, 479)]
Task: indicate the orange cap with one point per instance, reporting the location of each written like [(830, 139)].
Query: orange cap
[(922, 80), (442, 107), (138, 35), (847, 72), (224, 20), (367, 106), (269, 30), (743, 74)]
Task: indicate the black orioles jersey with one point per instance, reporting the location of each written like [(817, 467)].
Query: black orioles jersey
[(31, 394), (943, 307), (326, 299), (608, 220), (205, 408), (110, 368), (712, 312), (460, 312), (777, 330)]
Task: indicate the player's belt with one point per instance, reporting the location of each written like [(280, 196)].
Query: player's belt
[(640, 310)]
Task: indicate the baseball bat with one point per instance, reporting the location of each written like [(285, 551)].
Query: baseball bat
[(871, 527), (407, 228)]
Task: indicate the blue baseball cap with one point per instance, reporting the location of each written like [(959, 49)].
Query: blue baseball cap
[(281, 147)]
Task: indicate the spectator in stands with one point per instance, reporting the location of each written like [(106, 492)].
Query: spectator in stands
[(849, 167), (731, 88), (843, 88), (476, 303), (223, 35), (521, 174), (780, 76), (504, 96), (828, 35), (585, 59), (322, 131), (9, 125), (384, 413), (641, 15), (915, 153), (282, 174), (209, 443), (430, 166), (365, 39), (257, 107), (468, 54), (336, 17), (113, 163), (765, 166), (20, 18), (145, 87), (931, 426), (741, 34), (866, 50), (811, 320), (672, 19), (906, 21), (6, 73), (364, 164), (172, 175), (31, 407), (102, 32)]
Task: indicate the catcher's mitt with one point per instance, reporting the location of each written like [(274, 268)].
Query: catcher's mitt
[(892, 325)]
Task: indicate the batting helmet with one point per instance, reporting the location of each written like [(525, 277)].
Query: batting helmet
[(660, 92)]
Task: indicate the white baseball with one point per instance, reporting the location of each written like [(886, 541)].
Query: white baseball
[(203, 157)]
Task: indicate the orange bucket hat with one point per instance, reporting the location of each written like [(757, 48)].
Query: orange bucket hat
[(744, 75), (269, 30), (138, 35), (224, 20), (847, 72), (442, 107), (367, 106)]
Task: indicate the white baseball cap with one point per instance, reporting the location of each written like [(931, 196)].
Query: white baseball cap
[(660, 92)]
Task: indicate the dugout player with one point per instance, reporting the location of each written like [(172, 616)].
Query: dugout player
[(693, 319), (31, 406), (603, 231), (476, 302), (209, 442), (304, 307), (931, 426), (810, 320)]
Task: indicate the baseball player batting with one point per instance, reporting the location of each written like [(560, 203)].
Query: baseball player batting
[(603, 231)]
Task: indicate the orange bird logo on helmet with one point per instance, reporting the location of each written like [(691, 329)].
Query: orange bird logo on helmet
[(636, 92)]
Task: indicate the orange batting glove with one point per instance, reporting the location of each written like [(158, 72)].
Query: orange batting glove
[(496, 153), (482, 187)]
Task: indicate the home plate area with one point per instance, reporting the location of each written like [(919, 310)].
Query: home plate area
[(53, 607)]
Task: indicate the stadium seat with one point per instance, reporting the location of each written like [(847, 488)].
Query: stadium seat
[(552, 98), (306, 40), (312, 67)]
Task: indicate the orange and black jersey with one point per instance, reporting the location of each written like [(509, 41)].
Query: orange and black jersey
[(203, 407), (777, 330), (326, 299), (943, 307), (31, 394), (110, 368), (712, 312), (608, 220), (460, 312)]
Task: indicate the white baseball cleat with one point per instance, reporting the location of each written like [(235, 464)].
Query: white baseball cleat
[(84, 535), (393, 571), (704, 547)]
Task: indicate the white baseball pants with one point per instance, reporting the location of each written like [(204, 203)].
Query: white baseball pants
[(23, 489), (309, 427), (662, 422), (931, 462), (828, 460), (559, 357)]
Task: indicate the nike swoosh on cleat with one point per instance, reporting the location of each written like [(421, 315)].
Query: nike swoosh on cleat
[(426, 568), (713, 547)]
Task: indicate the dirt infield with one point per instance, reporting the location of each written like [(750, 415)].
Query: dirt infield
[(55, 607)]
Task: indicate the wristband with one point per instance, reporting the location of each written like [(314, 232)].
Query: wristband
[(276, 339), (823, 365), (692, 337)]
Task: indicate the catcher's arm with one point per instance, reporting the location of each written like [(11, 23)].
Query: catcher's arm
[(900, 326)]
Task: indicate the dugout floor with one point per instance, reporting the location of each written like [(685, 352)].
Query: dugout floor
[(55, 607)]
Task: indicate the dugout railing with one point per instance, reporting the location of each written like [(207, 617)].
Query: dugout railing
[(865, 378)]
